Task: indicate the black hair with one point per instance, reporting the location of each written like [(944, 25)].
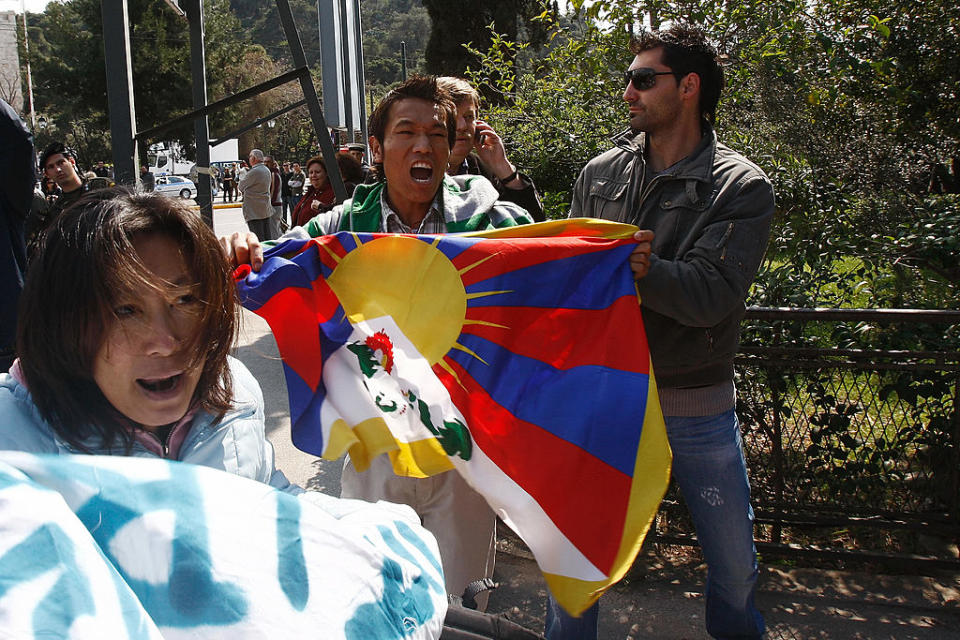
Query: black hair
[(686, 50), (53, 149)]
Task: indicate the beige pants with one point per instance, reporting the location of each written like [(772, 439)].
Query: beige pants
[(460, 519)]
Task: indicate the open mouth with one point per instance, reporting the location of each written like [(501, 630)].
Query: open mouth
[(421, 172), (160, 385)]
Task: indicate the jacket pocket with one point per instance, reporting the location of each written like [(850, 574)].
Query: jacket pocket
[(608, 196), (682, 196)]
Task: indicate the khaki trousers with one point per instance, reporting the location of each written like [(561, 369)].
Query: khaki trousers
[(460, 519)]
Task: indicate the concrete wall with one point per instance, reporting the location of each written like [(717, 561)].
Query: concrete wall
[(10, 62)]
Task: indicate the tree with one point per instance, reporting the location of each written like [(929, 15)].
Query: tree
[(66, 47), (387, 23), (848, 105), (453, 25)]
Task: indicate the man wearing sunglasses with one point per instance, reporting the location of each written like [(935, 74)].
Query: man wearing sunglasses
[(705, 214)]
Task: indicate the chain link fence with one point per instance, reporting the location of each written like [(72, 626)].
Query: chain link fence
[(851, 433)]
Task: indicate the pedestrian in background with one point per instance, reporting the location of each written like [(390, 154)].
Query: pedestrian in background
[(255, 187), (359, 151), (276, 199), (295, 183), (350, 171), (147, 181), (58, 163), (285, 173), (229, 182), (319, 196)]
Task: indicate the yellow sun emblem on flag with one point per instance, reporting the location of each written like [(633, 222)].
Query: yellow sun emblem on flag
[(412, 282)]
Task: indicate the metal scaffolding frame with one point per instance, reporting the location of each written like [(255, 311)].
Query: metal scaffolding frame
[(122, 111)]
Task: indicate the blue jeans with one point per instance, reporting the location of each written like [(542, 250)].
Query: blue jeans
[(560, 625), (709, 467), (290, 204)]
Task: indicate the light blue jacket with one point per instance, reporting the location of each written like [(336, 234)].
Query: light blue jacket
[(237, 444)]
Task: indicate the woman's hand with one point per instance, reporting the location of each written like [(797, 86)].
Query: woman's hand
[(243, 248)]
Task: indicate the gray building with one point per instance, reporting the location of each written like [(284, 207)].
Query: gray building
[(10, 61)]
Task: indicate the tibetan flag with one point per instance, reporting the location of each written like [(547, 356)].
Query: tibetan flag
[(517, 357)]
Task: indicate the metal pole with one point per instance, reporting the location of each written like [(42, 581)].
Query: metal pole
[(220, 105), (345, 64), (256, 123), (954, 499), (26, 52), (201, 126), (361, 77), (403, 60), (313, 102), (116, 50)]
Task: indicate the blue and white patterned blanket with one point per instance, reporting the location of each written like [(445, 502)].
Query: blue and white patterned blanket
[(115, 547)]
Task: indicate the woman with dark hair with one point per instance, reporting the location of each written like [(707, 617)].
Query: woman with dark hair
[(350, 170), (318, 197), (125, 324)]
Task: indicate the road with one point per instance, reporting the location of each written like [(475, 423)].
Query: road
[(258, 350), (662, 595)]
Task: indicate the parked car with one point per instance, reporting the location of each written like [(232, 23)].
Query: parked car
[(175, 186)]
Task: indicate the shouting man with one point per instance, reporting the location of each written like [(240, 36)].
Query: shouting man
[(412, 131)]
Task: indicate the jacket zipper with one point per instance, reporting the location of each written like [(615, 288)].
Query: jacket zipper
[(164, 444), (640, 164), (648, 188)]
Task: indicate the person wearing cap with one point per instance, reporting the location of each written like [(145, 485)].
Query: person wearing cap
[(359, 151), (57, 163)]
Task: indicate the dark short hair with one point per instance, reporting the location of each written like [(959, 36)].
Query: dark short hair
[(417, 86), (686, 50), (53, 149), (85, 263), (350, 168)]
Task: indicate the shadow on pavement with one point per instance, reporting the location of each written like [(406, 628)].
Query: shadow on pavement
[(662, 598)]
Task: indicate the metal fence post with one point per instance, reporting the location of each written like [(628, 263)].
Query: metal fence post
[(776, 445), (955, 462)]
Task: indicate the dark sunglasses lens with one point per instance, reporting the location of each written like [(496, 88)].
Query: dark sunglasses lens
[(641, 79)]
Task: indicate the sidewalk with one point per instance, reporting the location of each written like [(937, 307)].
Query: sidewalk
[(662, 597)]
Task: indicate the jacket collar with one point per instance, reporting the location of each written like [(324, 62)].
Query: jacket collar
[(696, 166), (459, 198), (146, 439)]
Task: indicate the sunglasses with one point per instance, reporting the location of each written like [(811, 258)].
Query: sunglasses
[(645, 77)]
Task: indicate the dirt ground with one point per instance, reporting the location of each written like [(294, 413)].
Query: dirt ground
[(662, 598)]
